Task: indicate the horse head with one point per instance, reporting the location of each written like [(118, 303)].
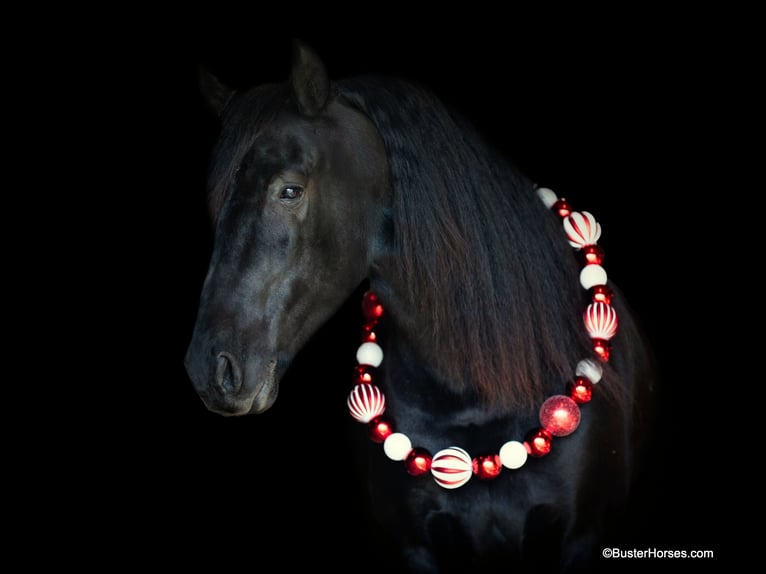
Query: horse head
[(297, 186)]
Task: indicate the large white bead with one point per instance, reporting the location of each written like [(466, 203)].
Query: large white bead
[(513, 454), (589, 369), (547, 196), (365, 402), (600, 321), (369, 353), (397, 446), (591, 275), (582, 229), (451, 467)]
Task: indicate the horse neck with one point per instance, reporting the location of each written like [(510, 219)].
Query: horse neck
[(422, 406), (421, 402)]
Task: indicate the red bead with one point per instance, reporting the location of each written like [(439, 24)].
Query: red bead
[(363, 374), (580, 390), (592, 254), (418, 461), (380, 429), (559, 415), (371, 308), (562, 208), (538, 442), (602, 348), (368, 335), (601, 294), (487, 466)]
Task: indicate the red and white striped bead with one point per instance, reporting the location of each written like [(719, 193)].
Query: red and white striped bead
[(452, 467)]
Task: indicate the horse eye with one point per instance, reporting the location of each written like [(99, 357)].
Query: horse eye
[(291, 193)]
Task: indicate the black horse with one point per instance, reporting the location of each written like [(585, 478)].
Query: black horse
[(489, 327)]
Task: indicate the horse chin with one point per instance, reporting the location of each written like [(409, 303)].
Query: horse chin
[(265, 397), (259, 401)]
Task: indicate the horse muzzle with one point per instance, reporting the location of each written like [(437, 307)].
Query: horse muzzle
[(231, 387)]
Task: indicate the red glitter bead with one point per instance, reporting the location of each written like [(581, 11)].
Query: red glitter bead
[(560, 415), (602, 348), (487, 466), (562, 208), (601, 294), (418, 461), (363, 374), (371, 308), (380, 429), (592, 254), (580, 390), (538, 442)]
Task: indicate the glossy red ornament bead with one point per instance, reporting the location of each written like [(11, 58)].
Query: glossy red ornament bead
[(559, 415), (371, 308), (580, 390), (418, 461), (601, 294), (368, 335), (602, 348), (363, 374), (592, 254), (487, 466), (380, 429), (562, 208), (538, 442)]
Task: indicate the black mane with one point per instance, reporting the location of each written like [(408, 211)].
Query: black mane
[(506, 320)]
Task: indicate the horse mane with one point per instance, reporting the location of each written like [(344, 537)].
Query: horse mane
[(488, 283)]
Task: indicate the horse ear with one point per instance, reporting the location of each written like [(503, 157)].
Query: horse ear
[(216, 94), (310, 83)]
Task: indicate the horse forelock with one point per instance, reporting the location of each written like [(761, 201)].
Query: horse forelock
[(242, 118)]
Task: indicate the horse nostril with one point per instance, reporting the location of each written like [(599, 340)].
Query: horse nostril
[(228, 375)]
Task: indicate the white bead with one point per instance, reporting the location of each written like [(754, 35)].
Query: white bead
[(589, 369), (591, 275), (547, 196), (451, 467), (397, 446), (369, 353), (513, 454)]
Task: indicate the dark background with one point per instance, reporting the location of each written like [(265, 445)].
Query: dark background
[(624, 120)]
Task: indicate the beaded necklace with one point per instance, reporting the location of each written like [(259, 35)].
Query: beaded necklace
[(559, 415)]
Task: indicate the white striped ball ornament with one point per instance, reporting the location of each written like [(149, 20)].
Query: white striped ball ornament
[(582, 229), (451, 467), (600, 321), (365, 402)]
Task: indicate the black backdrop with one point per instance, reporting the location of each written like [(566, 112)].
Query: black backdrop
[(611, 118)]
